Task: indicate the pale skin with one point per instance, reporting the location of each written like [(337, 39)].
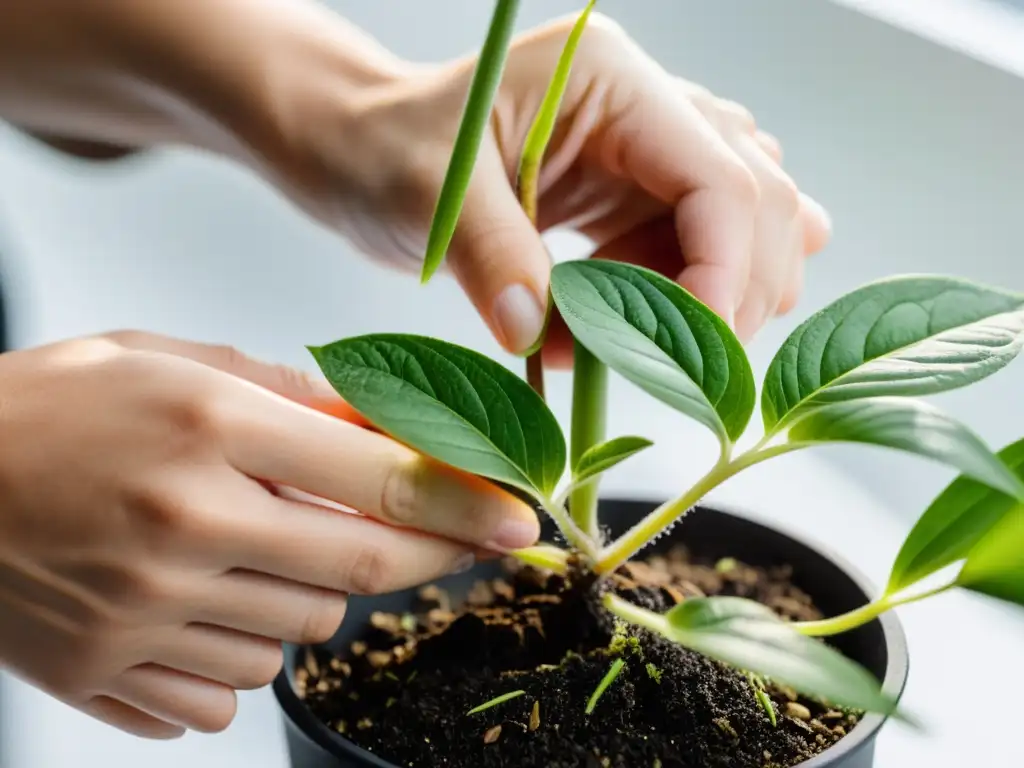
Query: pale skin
[(150, 563)]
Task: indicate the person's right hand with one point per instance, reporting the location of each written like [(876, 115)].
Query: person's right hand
[(148, 568)]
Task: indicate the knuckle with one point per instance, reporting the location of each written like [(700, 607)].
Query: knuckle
[(369, 572), (741, 183), (261, 669), (153, 508), (324, 619), (742, 117), (402, 493), (783, 194), (127, 338)]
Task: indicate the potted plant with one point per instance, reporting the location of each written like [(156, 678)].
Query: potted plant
[(728, 642)]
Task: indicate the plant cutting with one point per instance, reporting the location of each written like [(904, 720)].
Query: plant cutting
[(583, 651)]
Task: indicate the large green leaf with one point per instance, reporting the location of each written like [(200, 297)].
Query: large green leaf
[(954, 523), (450, 403), (911, 335), (604, 456), (476, 117), (996, 564), (750, 636), (911, 426), (655, 334)]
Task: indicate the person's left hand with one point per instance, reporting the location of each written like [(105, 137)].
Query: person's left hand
[(654, 169)]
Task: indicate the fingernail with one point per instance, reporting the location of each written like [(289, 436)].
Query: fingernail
[(515, 534), (519, 317), (464, 563)]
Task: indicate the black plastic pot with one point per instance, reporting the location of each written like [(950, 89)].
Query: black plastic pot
[(835, 585)]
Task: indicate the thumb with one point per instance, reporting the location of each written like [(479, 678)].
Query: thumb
[(294, 384), (500, 261)]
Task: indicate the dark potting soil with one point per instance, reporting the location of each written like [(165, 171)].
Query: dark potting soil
[(404, 692)]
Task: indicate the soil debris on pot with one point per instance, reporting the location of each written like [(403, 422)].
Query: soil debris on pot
[(406, 690)]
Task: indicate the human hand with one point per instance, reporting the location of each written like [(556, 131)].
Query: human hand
[(654, 169), (148, 568)]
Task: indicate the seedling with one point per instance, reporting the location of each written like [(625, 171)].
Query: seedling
[(851, 373), (606, 681), (496, 701)]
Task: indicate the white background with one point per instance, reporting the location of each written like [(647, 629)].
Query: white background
[(915, 149)]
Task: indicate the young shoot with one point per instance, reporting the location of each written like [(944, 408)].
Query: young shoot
[(496, 701), (603, 686)]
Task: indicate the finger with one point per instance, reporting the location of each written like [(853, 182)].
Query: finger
[(129, 719), (816, 224), (660, 140), (236, 659), (298, 386), (374, 475), (774, 246), (500, 260), (176, 697), (794, 284), (268, 606), (343, 551), (770, 145)]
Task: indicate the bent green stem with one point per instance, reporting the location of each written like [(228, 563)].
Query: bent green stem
[(589, 416), (860, 616), (576, 537), (637, 537), (534, 148)]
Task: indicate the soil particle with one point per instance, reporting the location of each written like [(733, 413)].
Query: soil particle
[(410, 682)]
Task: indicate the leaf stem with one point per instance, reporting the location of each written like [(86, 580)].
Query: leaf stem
[(637, 537), (532, 156), (860, 616), (544, 556), (475, 119), (589, 417), (634, 614), (576, 537)]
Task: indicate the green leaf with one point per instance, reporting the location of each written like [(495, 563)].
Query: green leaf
[(604, 456), (911, 426), (543, 125), (751, 637), (658, 336), (912, 335), (475, 119), (995, 566), (451, 403), (958, 519)]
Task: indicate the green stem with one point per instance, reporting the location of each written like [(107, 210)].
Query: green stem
[(475, 119), (637, 537), (634, 614), (544, 556), (572, 532), (532, 156), (589, 416), (860, 616)]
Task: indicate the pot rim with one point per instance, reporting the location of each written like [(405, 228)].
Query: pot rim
[(893, 684)]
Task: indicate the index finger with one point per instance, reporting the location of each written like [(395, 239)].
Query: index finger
[(274, 440)]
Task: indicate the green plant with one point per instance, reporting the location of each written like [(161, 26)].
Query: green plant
[(851, 373)]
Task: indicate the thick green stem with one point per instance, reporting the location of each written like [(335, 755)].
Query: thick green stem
[(860, 616), (589, 416), (476, 118), (634, 614), (544, 556), (637, 537)]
